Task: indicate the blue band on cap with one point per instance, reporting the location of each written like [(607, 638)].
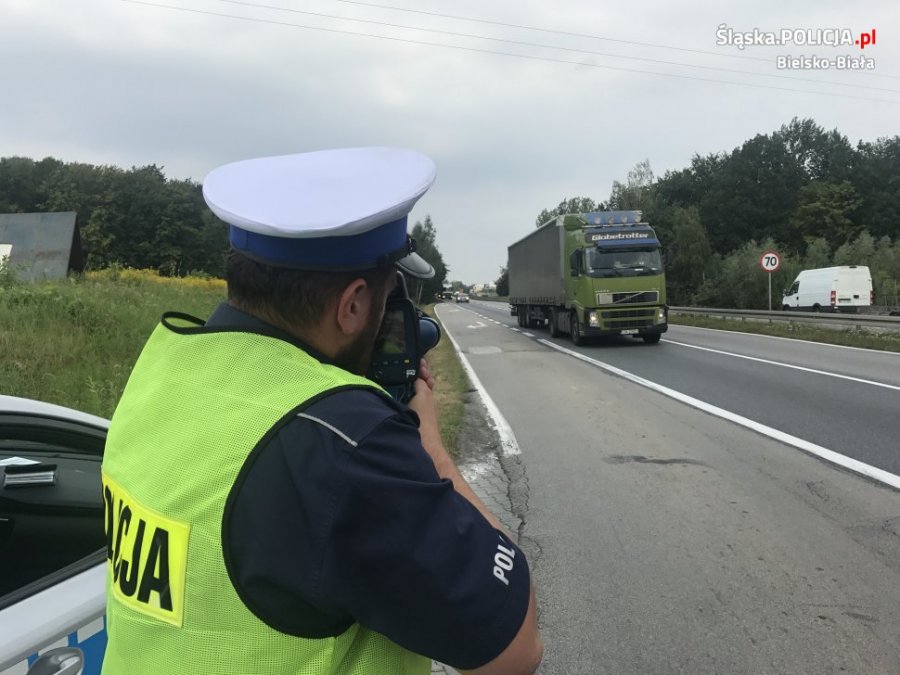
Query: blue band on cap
[(358, 251)]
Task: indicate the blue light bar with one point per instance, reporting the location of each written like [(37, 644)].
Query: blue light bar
[(612, 217)]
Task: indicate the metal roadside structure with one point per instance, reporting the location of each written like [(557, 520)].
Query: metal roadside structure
[(40, 246), (873, 322)]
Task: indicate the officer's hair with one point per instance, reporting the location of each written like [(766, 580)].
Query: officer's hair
[(294, 298)]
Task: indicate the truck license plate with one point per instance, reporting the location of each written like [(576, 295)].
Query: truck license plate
[(630, 331)]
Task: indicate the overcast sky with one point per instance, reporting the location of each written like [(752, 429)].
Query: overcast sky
[(130, 84)]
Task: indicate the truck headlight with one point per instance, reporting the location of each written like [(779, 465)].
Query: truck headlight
[(661, 315), (593, 320)]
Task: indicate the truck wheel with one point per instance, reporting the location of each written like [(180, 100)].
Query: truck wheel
[(575, 330), (554, 324), (520, 317), (651, 339), (785, 308), (817, 308)]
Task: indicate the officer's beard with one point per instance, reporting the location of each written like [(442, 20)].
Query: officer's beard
[(357, 356)]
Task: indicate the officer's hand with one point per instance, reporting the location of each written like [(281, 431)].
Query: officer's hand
[(425, 374), (423, 404)]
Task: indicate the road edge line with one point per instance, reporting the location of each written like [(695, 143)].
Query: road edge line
[(867, 470), (508, 441)]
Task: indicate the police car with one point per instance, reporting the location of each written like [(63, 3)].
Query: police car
[(52, 540)]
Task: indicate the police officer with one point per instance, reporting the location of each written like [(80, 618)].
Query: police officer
[(268, 508)]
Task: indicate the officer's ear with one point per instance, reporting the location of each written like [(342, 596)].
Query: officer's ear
[(352, 311)]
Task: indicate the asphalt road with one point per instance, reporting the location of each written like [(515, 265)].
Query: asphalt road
[(846, 400), (665, 539)]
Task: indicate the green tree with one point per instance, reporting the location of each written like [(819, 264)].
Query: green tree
[(569, 205), (818, 254), (22, 183), (876, 177), (885, 268), (826, 210), (425, 290), (503, 282), (860, 251), (689, 256), (637, 193), (136, 217), (739, 283)]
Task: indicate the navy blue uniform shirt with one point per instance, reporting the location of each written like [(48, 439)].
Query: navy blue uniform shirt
[(339, 516)]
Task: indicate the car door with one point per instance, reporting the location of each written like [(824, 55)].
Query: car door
[(52, 540), (792, 295)]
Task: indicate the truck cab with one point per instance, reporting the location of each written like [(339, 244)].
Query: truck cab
[(616, 282)]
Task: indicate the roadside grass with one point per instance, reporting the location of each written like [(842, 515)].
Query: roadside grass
[(451, 385), (74, 342), (885, 341)]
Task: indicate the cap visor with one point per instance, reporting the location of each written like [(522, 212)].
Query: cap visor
[(415, 266)]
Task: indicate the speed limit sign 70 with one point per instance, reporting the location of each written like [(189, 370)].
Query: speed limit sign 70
[(770, 261)]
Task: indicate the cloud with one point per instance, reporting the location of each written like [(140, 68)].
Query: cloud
[(108, 81)]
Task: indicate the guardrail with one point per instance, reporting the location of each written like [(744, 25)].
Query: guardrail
[(874, 322)]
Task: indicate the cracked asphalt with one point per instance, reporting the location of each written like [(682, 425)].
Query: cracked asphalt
[(500, 482), (663, 539)]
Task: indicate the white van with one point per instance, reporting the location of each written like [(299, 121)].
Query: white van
[(830, 289)]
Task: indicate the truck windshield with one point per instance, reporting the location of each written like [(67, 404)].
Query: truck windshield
[(626, 262)]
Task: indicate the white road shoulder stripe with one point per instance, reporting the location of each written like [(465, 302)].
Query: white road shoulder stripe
[(786, 365), (778, 337), (867, 470), (507, 438)]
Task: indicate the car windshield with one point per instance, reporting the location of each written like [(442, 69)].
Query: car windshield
[(629, 262)]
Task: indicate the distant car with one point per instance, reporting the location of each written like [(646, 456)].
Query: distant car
[(462, 297), (513, 310), (52, 540)]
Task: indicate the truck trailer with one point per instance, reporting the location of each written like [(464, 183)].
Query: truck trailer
[(590, 274)]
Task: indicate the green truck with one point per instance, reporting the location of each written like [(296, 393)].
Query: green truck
[(590, 274)]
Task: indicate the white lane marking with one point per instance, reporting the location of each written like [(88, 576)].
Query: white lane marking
[(778, 337), (787, 365), (527, 334), (868, 470), (507, 438), (480, 351), (477, 324), (515, 329)]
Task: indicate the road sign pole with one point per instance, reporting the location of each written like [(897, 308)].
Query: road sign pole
[(769, 262)]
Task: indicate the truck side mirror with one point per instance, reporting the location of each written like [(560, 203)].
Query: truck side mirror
[(574, 260)]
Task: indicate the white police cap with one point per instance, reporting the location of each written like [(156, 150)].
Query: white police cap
[(342, 209)]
